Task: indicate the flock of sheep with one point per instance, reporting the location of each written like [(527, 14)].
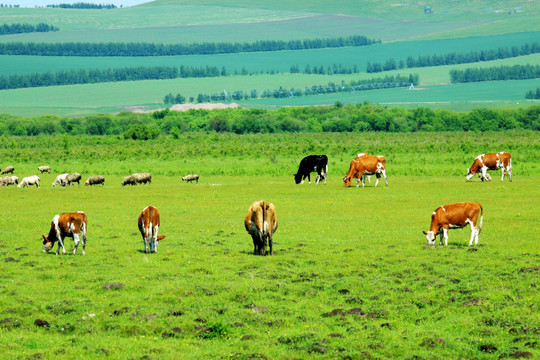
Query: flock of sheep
[(68, 178)]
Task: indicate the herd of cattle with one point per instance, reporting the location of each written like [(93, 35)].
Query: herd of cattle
[(261, 219)]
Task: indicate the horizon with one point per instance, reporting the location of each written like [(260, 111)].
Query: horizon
[(44, 3)]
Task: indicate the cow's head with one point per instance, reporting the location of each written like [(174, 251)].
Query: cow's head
[(430, 236), (346, 181), (297, 178), (47, 244), (470, 174)]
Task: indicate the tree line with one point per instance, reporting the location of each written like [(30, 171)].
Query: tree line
[(153, 49), (72, 77), (322, 70), (8, 29), (455, 58), (352, 86), (532, 94), (82, 5), (317, 119), (515, 72)]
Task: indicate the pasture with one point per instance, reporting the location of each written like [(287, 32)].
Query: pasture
[(351, 277)]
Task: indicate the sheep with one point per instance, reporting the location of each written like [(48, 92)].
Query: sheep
[(45, 168), (29, 180), (191, 177), (71, 178), (94, 180), (8, 170), (60, 180), (9, 180)]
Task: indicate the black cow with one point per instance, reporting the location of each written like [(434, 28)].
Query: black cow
[(312, 163)]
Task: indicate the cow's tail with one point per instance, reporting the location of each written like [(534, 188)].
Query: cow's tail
[(481, 219)]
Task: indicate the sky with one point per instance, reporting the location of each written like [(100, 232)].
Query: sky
[(43, 3)]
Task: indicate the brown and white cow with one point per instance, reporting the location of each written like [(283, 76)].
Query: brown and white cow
[(455, 216), (261, 222), (366, 165), (149, 226), (495, 161), (64, 225)]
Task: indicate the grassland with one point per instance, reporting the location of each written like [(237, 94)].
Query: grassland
[(405, 31), (351, 276)]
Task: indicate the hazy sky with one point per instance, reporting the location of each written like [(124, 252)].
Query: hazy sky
[(42, 3)]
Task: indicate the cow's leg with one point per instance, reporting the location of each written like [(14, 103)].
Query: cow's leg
[(270, 244), (378, 176), (358, 182), (145, 240), (309, 178), (154, 239), (60, 244), (502, 173), (83, 239), (318, 178), (369, 178), (484, 174), (473, 234), (441, 237), (76, 241), (385, 178), (445, 235)]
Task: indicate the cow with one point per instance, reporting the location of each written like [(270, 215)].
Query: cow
[(71, 178), (9, 180), (95, 180), (309, 164), (484, 162), (261, 223), (368, 176), (148, 226), (8, 170), (455, 216), (366, 165), (60, 180), (64, 225), (44, 169), (191, 177), (29, 180)]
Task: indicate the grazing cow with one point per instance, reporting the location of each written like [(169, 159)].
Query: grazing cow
[(95, 180), (29, 180), (485, 162), (60, 180), (454, 216), (9, 180), (44, 169), (191, 177), (365, 175), (309, 164), (8, 170), (366, 165), (64, 225), (71, 178), (149, 226), (261, 222)]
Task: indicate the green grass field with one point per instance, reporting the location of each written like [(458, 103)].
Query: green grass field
[(351, 277), (405, 30)]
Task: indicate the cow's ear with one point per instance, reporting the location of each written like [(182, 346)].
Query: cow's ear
[(161, 237), (45, 239), (425, 232)]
